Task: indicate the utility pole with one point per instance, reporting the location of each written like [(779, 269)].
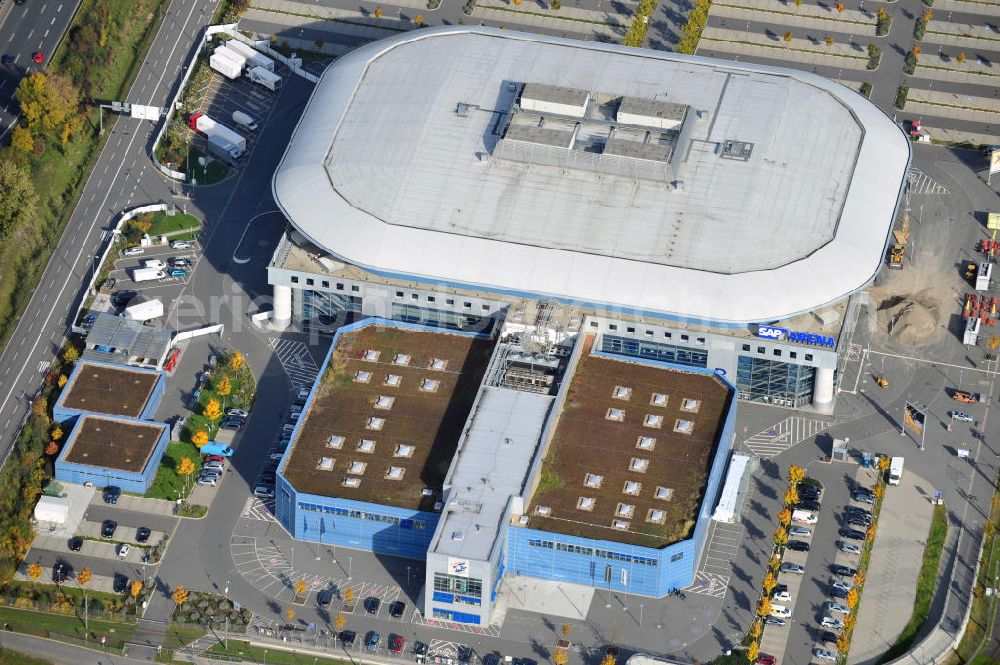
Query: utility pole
[(226, 593)]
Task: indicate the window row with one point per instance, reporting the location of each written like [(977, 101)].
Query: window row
[(325, 283), (402, 522), (777, 352), (589, 551), (684, 337), (465, 585), (448, 301)]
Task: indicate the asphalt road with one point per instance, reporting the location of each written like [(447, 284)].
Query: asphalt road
[(37, 25), (129, 519), (123, 176)]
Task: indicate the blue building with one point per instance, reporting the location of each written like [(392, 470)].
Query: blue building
[(114, 390), (112, 450)]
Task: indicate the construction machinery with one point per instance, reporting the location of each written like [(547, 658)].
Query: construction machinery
[(882, 382), (901, 236)]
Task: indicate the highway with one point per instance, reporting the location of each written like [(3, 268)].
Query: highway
[(123, 175), (36, 25)]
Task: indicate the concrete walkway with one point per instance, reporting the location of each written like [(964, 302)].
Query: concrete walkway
[(804, 16), (801, 50), (891, 587), (955, 136), (141, 504), (961, 35), (984, 7), (950, 105)]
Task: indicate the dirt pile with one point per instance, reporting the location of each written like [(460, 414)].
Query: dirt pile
[(911, 319)]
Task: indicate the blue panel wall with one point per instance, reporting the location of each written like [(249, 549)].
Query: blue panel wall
[(138, 483), (61, 414)]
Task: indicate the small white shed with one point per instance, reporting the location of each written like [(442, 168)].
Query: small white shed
[(52, 509)]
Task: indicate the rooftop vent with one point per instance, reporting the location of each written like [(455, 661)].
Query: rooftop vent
[(427, 491), (352, 482), (621, 525), (375, 423), (646, 443), (544, 511), (656, 516), (632, 488), (653, 421), (371, 355), (366, 446), (335, 441), (401, 359), (664, 493), (403, 450), (737, 150), (395, 473), (617, 415), (430, 385), (624, 510), (684, 426), (363, 376), (621, 392), (690, 405), (658, 399), (593, 480), (522, 520), (357, 468), (384, 402), (457, 536), (439, 364), (393, 380), (638, 465), (325, 464), (586, 503)]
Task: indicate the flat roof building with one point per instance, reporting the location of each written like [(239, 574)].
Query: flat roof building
[(110, 389), (112, 450)]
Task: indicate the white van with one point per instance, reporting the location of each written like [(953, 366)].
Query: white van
[(804, 517), (154, 263), (780, 611), (134, 251), (245, 121)]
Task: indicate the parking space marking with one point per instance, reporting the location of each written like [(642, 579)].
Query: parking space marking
[(783, 435), (921, 183), (714, 572), (418, 618), (296, 361)]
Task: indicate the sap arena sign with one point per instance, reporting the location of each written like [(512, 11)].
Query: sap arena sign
[(783, 334)]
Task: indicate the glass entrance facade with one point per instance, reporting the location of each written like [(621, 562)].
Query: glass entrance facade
[(785, 384)]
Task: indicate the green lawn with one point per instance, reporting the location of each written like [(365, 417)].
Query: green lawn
[(164, 223), (214, 171), (981, 615), (254, 654), (8, 657), (178, 636), (168, 482), (56, 626), (936, 536)]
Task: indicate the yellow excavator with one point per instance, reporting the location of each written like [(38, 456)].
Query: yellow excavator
[(882, 382), (902, 236)]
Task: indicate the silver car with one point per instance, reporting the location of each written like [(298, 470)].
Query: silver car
[(800, 532), (849, 548), (824, 654), (830, 622), (837, 608)]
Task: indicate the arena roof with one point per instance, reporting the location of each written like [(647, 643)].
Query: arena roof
[(772, 193)]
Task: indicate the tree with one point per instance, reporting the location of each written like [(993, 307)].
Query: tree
[(770, 581), (82, 578), (852, 598), (378, 12), (927, 15), (763, 606), (774, 562), (859, 578), (237, 360), (18, 200), (224, 386), (870, 533), (22, 141), (300, 587), (879, 491), (788, 36), (51, 448), (829, 40), (843, 644), (883, 462), (180, 595), (62, 380), (756, 629), (348, 595), (135, 588), (785, 517), (780, 536), (796, 474), (961, 58), (70, 355), (199, 438), (556, 5), (798, 3), (34, 571), (57, 433), (289, 614), (840, 6), (916, 50), (849, 622), (213, 410), (47, 100), (517, 2), (185, 468), (418, 19), (340, 622), (753, 652), (791, 496), (560, 657), (609, 659)]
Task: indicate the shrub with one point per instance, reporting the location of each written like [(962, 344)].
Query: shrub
[(901, 97)]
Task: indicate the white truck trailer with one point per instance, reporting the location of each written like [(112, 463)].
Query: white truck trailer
[(221, 62), (235, 56), (220, 138), (895, 470), (254, 58), (144, 311), (263, 77), (147, 274)]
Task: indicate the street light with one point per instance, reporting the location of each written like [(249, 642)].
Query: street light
[(350, 561), (407, 578), (226, 593)]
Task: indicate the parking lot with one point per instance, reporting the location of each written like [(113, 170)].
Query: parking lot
[(166, 288)]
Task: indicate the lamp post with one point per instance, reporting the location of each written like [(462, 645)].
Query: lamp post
[(226, 593), (640, 614), (407, 578), (350, 561)]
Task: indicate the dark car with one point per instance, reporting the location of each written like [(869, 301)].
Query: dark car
[(864, 497), (774, 621), (177, 262), (843, 571), (828, 637), (372, 603), (121, 583), (493, 659), (396, 609), (372, 640), (234, 425), (857, 520), (75, 544), (419, 651), (808, 505), (347, 637), (464, 654), (852, 534), (798, 545), (857, 510), (324, 597), (8, 58), (838, 593), (61, 572), (108, 528), (808, 490), (142, 534), (111, 494)]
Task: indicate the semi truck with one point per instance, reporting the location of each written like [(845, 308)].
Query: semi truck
[(223, 149), (144, 311), (263, 77), (895, 470), (221, 62), (221, 139), (254, 58), (147, 274)]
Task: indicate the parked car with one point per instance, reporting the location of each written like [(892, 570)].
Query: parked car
[(8, 58), (397, 643), (798, 545), (180, 244), (324, 598), (372, 640), (843, 571), (210, 481), (122, 298), (842, 584), (863, 497), (396, 609), (111, 494), (210, 471), (774, 621), (75, 544), (781, 596), (178, 262), (61, 572), (838, 593), (372, 604), (965, 396), (857, 510), (830, 622), (824, 654), (828, 637), (134, 251), (218, 466), (465, 655), (849, 548), (142, 534), (837, 608), (766, 659), (800, 532), (234, 424), (792, 568), (178, 272), (419, 651), (123, 550), (781, 611), (852, 534), (858, 520), (814, 506), (262, 492), (38, 57), (120, 583), (347, 638), (239, 413), (108, 528), (959, 415), (214, 458)]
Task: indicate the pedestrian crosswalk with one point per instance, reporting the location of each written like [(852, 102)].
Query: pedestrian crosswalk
[(714, 572), (921, 183), (296, 361), (259, 509), (784, 435)]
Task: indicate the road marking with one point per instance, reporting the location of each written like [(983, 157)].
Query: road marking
[(60, 9), (784, 435), (45, 35), (31, 33), (52, 22)]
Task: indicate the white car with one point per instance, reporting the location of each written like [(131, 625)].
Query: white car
[(830, 622), (214, 465), (964, 417), (207, 480), (837, 608), (180, 244), (792, 568), (800, 532), (849, 548), (134, 251), (824, 654), (780, 611), (842, 585), (154, 263), (782, 596), (239, 413), (263, 492), (274, 457), (123, 550)]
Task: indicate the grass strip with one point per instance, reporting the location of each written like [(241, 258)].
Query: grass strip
[(785, 48), (245, 651), (613, 24), (936, 536), (832, 19), (981, 615), (66, 627)]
